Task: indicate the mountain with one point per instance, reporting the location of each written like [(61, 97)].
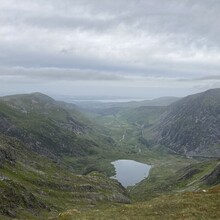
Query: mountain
[(48, 126), (44, 145), (191, 126)]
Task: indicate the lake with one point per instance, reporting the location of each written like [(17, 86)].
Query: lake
[(130, 172)]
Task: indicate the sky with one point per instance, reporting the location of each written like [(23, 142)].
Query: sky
[(123, 48)]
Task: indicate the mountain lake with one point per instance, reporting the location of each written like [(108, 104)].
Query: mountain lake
[(130, 172)]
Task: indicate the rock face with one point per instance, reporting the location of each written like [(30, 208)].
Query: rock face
[(214, 177), (191, 126)]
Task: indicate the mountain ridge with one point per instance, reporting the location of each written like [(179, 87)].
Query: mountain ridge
[(191, 126)]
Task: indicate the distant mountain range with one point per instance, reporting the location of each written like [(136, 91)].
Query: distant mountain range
[(96, 106)]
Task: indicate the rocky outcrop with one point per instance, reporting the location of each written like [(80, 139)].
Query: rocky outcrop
[(188, 173), (14, 195), (213, 178)]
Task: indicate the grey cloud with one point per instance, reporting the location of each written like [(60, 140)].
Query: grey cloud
[(205, 78), (56, 74), (216, 77), (13, 57), (114, 40), (190, 19), (103, 69)]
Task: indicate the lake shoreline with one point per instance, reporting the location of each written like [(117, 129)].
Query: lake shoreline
[(130, 172)]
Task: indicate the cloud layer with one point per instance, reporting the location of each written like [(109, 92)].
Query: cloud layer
[(138, 43)]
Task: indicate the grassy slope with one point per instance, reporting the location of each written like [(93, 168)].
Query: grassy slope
[(34, 125), (34, 187), (190, 205), (63, 132), (56, 189)]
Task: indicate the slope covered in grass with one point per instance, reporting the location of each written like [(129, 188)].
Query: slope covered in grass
[(34, 186), (191, 205)]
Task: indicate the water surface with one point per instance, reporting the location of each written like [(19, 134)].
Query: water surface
[(130, 172)]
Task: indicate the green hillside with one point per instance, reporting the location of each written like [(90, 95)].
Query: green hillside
[(190, 205), (43, 148), (55, 161), (34, 186)]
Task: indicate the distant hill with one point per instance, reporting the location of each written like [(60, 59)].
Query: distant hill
[(162, 101), (191, 126), (102, 106), (144, 115)]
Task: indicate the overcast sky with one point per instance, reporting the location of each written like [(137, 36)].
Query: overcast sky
[(126, 48)]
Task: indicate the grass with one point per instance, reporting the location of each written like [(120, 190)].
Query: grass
[(190, 205), (37, 187)]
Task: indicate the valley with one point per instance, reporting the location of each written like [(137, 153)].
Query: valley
[(109, 110), (55, 158)]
